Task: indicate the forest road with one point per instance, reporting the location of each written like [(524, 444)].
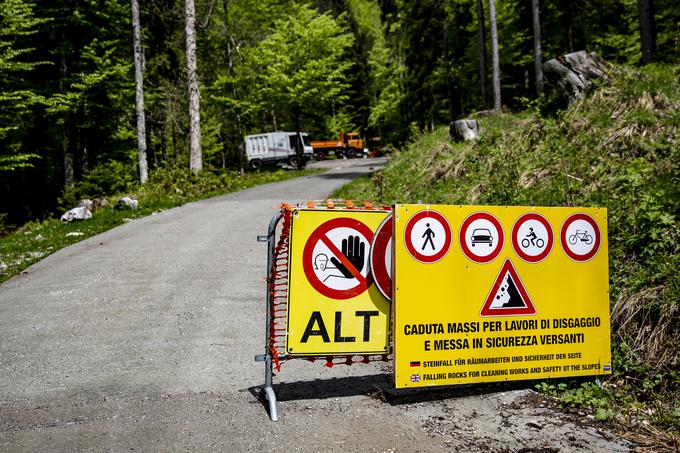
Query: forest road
[(144, 337)]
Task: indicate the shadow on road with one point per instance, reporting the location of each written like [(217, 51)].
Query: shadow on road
[(380, 386), (350, 175)]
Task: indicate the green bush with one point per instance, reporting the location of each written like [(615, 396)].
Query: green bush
[(103, 180)]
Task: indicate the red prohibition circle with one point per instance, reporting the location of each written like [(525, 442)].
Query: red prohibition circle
[(381, 275), (563, 237), (320, 234), (549, 242), (463, 243), (427, 259)]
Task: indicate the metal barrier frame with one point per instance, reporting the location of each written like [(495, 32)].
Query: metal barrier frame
[(268, 389), (268, 358)]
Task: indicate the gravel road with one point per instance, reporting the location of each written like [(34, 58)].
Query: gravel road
[(143, 338)]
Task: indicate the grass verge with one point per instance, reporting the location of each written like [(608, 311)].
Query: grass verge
[(165, 189)]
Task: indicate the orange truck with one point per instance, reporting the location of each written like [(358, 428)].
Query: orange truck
[(350, 144)]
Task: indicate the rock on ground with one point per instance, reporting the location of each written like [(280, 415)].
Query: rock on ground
[(79, 213)]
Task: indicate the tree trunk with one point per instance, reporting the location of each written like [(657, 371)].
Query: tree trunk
[(67, 153), (494, 59), (69, 173), (195, 152), (464, 130), (647, 30), (481, 35), (234, 93), (538, 57), (573, 73), (139, 93)]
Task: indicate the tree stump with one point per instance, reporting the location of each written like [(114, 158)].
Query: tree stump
[(574, 73), (464, 130)]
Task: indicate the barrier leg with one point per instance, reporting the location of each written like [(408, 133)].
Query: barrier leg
[(268, 369), (269, 390)]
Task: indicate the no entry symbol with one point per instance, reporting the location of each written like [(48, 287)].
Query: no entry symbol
[(580, 237), (335, 258), (381, 257), (428, 236), (481, 237), (532, 237)]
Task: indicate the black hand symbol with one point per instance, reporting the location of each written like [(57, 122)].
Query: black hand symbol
[(355, 251)]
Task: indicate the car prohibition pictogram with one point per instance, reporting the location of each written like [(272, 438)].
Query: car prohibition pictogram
[(481, 237), (428, 236), (381, 257), (335, 258)]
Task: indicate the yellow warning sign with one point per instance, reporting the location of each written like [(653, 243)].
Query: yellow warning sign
[(334, 307), (487, 293)]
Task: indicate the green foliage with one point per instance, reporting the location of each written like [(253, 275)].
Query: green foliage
[(299, 68), (617, 149), (588, 395), (17, 24), (548, 388), (110, 178)]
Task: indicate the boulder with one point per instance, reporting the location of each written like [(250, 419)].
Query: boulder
[(79, 213), (127, 203), (86, 203), (464, 130), (93, 204), (575, 72)]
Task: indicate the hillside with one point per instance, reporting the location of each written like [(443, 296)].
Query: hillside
[(619, 148)]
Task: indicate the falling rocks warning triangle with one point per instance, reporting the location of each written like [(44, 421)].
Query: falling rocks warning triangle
[(508, 296)]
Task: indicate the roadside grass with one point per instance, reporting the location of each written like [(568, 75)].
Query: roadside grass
[(618, 148), (165, 189)]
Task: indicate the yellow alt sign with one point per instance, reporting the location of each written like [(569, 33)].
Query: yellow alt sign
[(333, 305), (485, 293)]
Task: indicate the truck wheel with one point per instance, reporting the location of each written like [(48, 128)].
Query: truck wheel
[(295, 161), (351, 153), (255, 164)]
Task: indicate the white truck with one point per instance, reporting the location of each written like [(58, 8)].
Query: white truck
[(275, 147)]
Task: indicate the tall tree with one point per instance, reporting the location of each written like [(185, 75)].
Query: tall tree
[(481, 37), (538, 63), (495, 58), (299, 71), (17, 21), (647, 30), (195, 151), (139, 92)]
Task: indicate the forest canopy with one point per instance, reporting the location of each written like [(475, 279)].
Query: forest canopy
[(381, 67)]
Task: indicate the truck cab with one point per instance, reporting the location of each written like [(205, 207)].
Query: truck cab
[(349, 144)]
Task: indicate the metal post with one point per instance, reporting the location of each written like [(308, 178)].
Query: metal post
[(268, 366)]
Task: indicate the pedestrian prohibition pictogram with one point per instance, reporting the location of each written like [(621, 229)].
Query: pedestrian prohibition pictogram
[(508, 297), (335, 258), (532, 237), (381, 258), (580, 237), (428, 236), (481, 237)]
